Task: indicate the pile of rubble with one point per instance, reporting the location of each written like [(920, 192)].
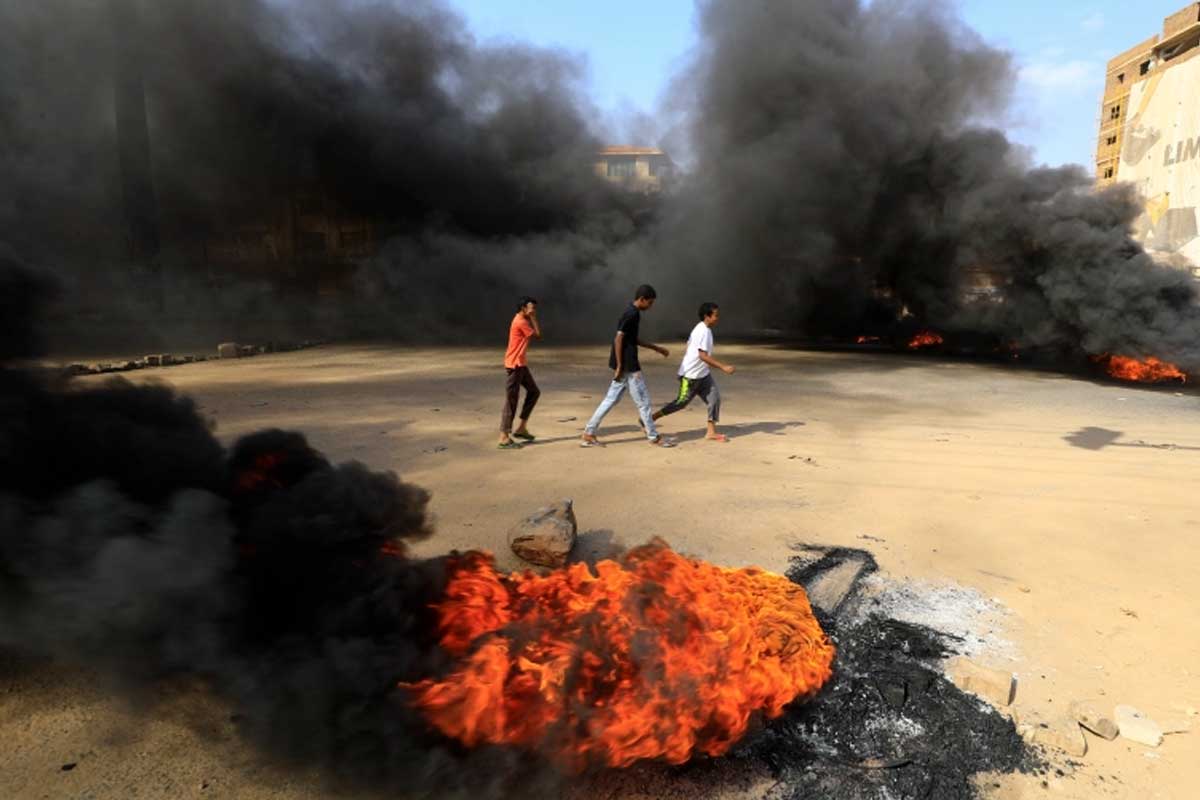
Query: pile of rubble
[(225, 350)]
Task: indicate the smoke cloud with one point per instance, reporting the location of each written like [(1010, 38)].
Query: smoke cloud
[(132, 541), (844, 185), (843, 179)]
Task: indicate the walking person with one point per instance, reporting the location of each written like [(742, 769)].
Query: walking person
[(523, 329), (627, 371), (695, 372)]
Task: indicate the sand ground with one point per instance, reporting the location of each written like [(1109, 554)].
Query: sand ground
[(1074, 503)]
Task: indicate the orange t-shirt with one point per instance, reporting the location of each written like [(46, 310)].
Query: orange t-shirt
[(519, 335)]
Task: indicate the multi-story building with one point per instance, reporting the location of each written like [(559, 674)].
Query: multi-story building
[(1149, 133), (644, 169)]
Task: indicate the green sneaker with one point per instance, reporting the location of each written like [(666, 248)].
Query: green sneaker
[(526, 435), (509, 446)]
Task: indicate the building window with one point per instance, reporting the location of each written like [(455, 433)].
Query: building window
[(1144, 68), (1121, 78), (659, 168), (1108, 172), (1115, 113), (623, 168), (1111, 140)]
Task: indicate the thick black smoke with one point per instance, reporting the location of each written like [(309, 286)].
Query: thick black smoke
[(131, 541), (475, 158), (843, 180), (843, 186)]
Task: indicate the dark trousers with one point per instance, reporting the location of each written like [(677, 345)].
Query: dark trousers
[(518, 377), (706, 387)]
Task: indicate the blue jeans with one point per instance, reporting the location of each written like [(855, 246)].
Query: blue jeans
[(641, 397)]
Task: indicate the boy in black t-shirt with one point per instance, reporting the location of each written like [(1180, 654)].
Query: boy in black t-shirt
[(627, 371)]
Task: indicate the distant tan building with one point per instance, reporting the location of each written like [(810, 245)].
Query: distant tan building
[(644, 169), (1150, 132)]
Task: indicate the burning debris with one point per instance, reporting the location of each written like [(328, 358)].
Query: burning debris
[(1150, 370), (925, 339), (655, 656)]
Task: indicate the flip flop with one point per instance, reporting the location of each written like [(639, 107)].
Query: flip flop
[(590, 443), (720, 437), (508, 446), (529, 437), (662, 441)]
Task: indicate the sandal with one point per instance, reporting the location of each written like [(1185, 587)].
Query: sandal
[(590, 443), (508, 446), (662, 441), (526, 435)]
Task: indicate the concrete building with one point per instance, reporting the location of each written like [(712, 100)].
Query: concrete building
[(643, 169), (1149, 132)]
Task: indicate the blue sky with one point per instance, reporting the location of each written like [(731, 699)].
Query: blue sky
[(1061, 46)]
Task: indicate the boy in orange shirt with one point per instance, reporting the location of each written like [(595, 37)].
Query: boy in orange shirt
[(524, 328)]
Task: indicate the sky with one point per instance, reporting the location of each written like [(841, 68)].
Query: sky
[(632, 47)]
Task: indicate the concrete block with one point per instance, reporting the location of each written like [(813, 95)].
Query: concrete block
[(247, 350), (829, 589), (227, 350), (996, 686), (1137, 727)]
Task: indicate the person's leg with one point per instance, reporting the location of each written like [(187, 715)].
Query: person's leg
[(687, 390), (711, 395), (641, 397), (615, 390), (532, 393), (512, 386)]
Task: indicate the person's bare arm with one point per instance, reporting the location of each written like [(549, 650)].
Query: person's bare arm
[(620, 337), (712, 362), (537, 326), (662, 351)]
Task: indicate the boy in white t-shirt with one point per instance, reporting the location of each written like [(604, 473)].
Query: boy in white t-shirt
[(695, 375)]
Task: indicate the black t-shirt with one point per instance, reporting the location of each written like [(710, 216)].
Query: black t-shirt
[(628, 325)]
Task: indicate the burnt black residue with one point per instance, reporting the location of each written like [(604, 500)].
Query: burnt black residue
[(888, 724)]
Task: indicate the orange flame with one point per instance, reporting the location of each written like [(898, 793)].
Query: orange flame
[(656, 656), (1152, 370), (924, 339)]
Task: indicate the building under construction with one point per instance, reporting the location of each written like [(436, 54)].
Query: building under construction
[(1150, 132)]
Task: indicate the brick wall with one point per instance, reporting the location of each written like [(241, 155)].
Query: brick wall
[(1181, 19)]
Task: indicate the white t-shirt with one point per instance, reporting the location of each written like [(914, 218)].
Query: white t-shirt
[(701, 338)]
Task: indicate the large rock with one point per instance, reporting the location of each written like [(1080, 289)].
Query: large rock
[(227, 350), (545, 537)]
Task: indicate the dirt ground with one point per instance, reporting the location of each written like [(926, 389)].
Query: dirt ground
[(1075, 504)]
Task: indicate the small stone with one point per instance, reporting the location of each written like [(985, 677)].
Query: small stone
[(1060, 732), (1092, 719), (1137, 727), (227, 350), (545, 537), (153, 361), (247, 350), (994, 685)]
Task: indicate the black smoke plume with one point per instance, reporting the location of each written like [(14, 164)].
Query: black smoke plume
[(843, 180), (471, 163), (844, 185), (133, 542)]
